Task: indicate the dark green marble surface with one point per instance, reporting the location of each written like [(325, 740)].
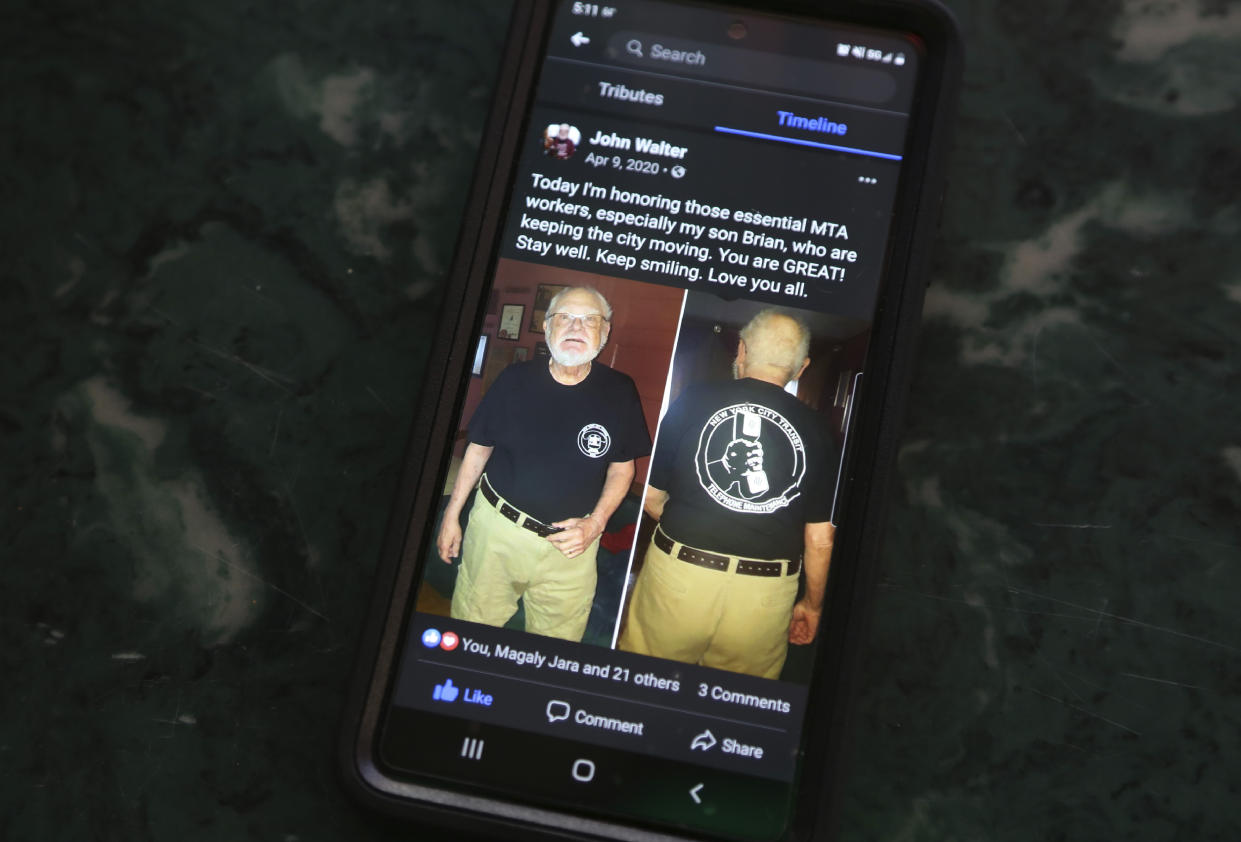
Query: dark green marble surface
[(225, 230)]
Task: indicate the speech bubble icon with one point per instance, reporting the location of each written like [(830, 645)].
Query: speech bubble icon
[(557, 710)]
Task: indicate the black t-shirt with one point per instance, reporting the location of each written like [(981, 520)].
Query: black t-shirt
[(553, 443), (746, 466)]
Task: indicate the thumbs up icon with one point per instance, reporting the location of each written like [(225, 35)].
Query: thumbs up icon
[(445, 692)]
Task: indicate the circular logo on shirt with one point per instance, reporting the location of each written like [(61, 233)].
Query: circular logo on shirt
[(750, 459), (594, 440)]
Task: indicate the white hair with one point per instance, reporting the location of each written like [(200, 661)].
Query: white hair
[(603, 302), (769, 343)]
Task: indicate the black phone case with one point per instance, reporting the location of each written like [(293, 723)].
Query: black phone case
[(868, 469)]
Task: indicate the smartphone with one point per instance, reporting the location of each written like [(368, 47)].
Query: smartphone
[(629, 567)]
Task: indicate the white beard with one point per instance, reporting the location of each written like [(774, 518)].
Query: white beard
[(570, 359)]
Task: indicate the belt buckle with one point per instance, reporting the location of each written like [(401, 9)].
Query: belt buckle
[(540, 528)]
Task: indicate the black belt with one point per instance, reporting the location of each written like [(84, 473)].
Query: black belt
[(712, 561), (517, 516)]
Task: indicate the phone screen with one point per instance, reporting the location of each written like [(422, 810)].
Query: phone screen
[(615, 610)]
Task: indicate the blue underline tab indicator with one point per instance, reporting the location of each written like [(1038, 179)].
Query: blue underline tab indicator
[(815, 124)]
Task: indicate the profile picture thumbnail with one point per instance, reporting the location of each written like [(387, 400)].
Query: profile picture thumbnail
[(560, 140)]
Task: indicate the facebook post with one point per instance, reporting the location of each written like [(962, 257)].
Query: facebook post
[(648, 454)]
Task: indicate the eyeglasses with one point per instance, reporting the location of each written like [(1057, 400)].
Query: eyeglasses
[(562, 320)]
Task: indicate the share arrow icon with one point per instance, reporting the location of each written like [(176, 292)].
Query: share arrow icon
[(703, 741)]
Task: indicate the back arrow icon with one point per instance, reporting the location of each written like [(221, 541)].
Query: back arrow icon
[(577, 39), (693, 793)]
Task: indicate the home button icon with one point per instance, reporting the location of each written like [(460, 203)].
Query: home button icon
[(583, 770)]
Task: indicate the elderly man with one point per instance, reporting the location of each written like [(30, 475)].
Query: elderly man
[(557, 440), (741, 483), (561, 145)]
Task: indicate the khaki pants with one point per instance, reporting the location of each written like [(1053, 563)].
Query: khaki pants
[(502, 562), (717, 618)]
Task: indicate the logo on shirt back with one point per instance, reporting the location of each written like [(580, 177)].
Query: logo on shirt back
[(594, 440), (750, 459)]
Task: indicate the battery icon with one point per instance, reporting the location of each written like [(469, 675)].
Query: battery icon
[(899, 59)]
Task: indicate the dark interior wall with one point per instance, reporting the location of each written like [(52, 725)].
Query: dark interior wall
[(707, 346)]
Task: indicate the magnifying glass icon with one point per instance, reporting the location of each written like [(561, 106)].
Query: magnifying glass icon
[(634, 47)]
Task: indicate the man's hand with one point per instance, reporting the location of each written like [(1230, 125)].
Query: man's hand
[(656, 499), (449, 541), (805, 623), (576, 535), (819, 538)]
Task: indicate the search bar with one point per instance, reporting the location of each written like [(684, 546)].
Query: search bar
[(737, 64)]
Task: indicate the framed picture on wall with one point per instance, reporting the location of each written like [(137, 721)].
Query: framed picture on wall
[(480, 356), (519, 354), (510, 321), (541, 351), (542, 298)]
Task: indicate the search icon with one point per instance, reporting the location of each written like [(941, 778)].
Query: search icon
[(634, 47)]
